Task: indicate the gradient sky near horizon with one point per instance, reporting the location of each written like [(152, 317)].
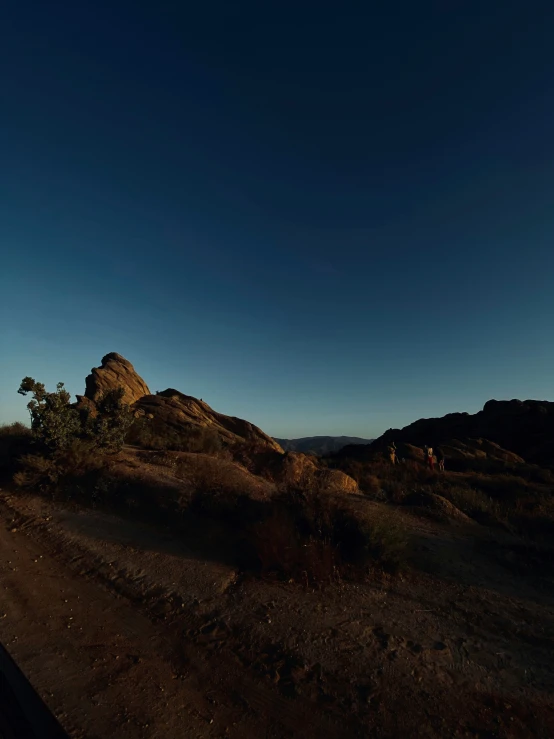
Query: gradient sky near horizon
[(325, 218)]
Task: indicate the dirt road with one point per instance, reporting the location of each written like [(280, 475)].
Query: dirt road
[(106, 669), (96, 662), (125, 631)]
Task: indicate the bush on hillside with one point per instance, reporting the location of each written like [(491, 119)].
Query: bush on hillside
[(54, 422), (315, 538), (15, 441), (37, 472), (68, 444), (278, 548), (109, 425), (14, 431), (76, 472)]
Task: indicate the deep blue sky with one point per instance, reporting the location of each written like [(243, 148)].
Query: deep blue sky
[(326, 218)]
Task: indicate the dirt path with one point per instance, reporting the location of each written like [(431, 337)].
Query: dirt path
[(127, 632), (99, 664), (109, 668)]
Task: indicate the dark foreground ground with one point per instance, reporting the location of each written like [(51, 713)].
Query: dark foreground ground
[(23, 715), (125, 631)]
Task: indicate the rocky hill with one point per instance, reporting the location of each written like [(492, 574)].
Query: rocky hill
[(174, 409), (524, 428), (169, 409), (320, 445)]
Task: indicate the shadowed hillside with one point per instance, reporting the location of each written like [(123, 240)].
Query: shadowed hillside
[(525, 428)]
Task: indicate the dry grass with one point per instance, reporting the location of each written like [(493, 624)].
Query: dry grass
[(36, 473), (77, 473), (384, 539), (380, 479), (149, 434), (211, 475), (493, 493), (506, 500)]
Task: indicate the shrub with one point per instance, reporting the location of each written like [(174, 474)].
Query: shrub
[(279, 548), (69, 443), (37, 472), (109, 426), (76, 472), (16, 430), (141, 433), (313, 538), (54, 422), (377, 538), (15, 441)]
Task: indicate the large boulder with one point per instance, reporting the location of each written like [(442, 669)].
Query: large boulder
[(173, 410), (114, 372)]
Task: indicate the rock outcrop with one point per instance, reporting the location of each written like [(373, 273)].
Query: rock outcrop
[(524, 428), (174, 410), (170, 409), (479, 449), (114, 372)]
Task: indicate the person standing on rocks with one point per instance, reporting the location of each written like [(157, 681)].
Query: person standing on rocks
[(392, 452), (429, 457)]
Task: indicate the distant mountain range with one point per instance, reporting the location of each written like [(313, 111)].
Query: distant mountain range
[(320, 444)]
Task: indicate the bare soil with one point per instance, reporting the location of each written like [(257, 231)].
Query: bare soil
[(128, 631)]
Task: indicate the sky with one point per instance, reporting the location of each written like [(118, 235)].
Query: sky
[(327, 218)]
